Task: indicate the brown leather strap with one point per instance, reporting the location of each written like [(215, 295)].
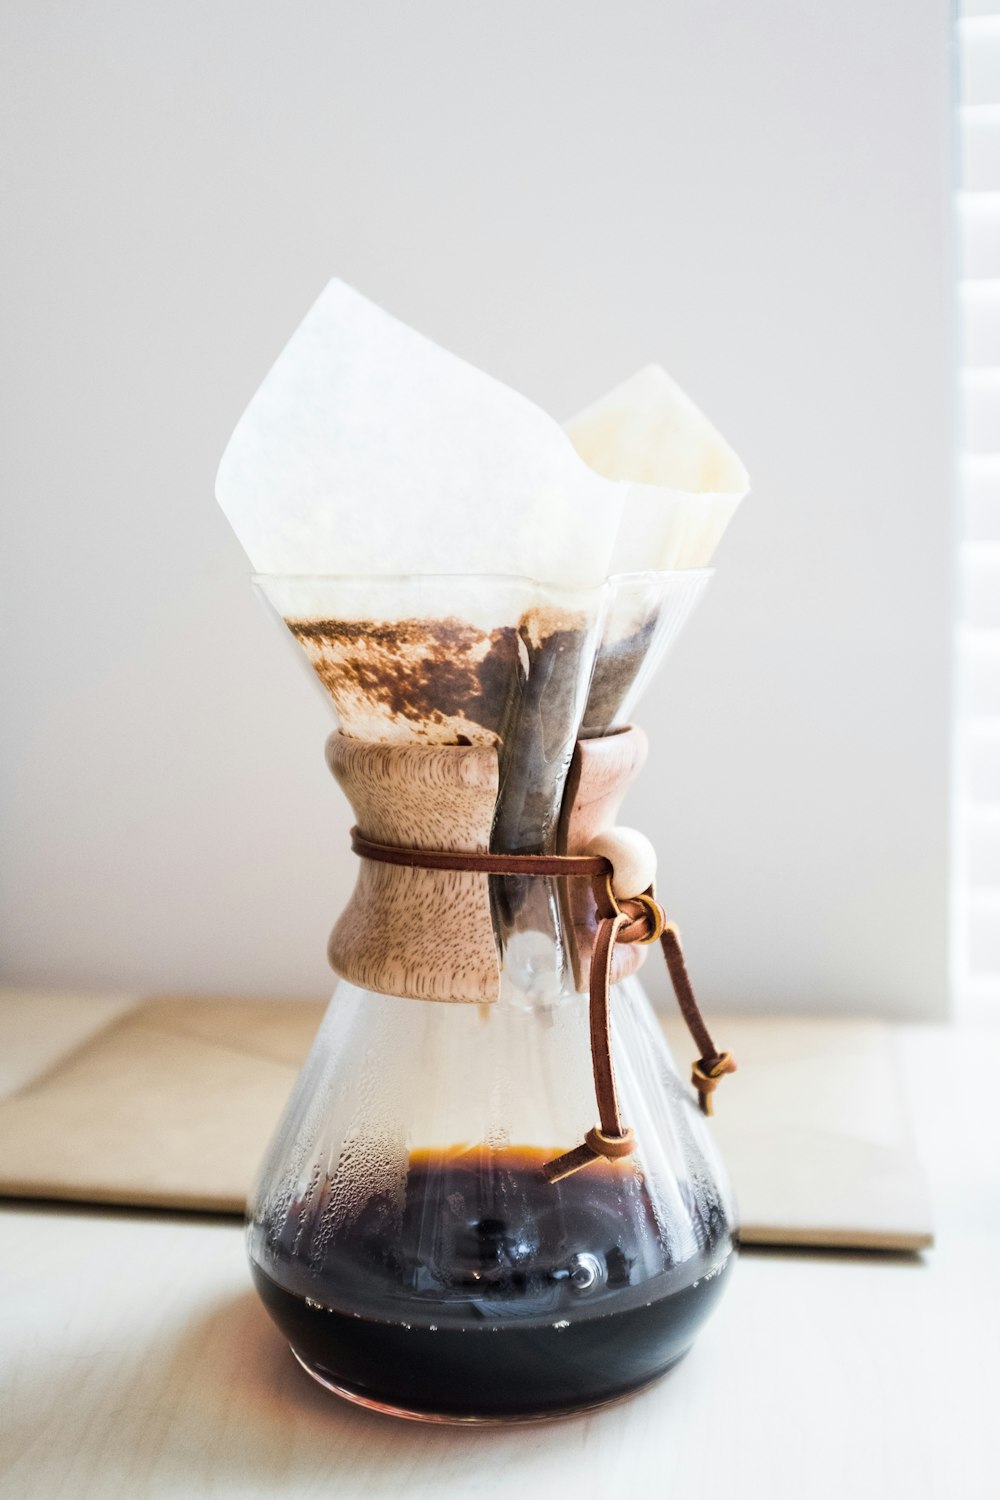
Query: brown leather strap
[(613, 1139), (480, 864), (711, 1065), (638, 920)]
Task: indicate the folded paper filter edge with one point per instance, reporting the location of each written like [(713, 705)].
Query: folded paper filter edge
[(641, 420), (629, 443)]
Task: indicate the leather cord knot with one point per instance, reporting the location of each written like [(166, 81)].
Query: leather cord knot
[(647, 919), (705, 1076), (634, 919), (611, 1147)]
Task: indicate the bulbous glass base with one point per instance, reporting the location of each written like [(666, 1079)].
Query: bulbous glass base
[(452, 1280), (458, 1371), (474, 1419)]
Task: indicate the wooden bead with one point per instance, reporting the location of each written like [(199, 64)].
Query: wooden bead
[(633, 858), (599, 778)]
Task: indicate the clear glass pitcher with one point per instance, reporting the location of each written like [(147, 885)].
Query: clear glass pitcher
[(403, 1235)]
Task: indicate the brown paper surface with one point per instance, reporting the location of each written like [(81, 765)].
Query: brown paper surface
[(171, 1105), (815, 1128)]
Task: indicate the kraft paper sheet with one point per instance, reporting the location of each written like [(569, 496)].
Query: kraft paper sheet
[(170, 1104)]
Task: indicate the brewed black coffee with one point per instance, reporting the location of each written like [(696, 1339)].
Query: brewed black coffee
[(482, 1290)]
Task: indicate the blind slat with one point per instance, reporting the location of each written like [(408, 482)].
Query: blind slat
[(979, 149), (980, 768), (982, 846), (979, 323), (979, 673), (979, 235), (979, 497), (979, 60), (980, 581), (980, 391), (984, 934)]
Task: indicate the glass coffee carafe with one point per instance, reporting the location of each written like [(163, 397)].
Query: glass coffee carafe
[(403, 1234)]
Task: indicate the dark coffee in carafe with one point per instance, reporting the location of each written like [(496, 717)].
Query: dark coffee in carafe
[(485, 1290)]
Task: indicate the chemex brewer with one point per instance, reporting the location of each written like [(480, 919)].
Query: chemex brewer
[(491, 1197)]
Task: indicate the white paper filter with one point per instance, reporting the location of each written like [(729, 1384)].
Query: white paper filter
[(684, 480), (369, 450)]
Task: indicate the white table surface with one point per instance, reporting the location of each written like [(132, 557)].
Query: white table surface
[(135, 1361)]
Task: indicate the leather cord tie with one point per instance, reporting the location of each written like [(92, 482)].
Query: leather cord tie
[(639, 919)]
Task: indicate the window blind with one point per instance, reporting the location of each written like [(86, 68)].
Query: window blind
[(977, 819)]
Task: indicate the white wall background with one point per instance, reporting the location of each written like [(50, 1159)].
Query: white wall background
[(755, 195)]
